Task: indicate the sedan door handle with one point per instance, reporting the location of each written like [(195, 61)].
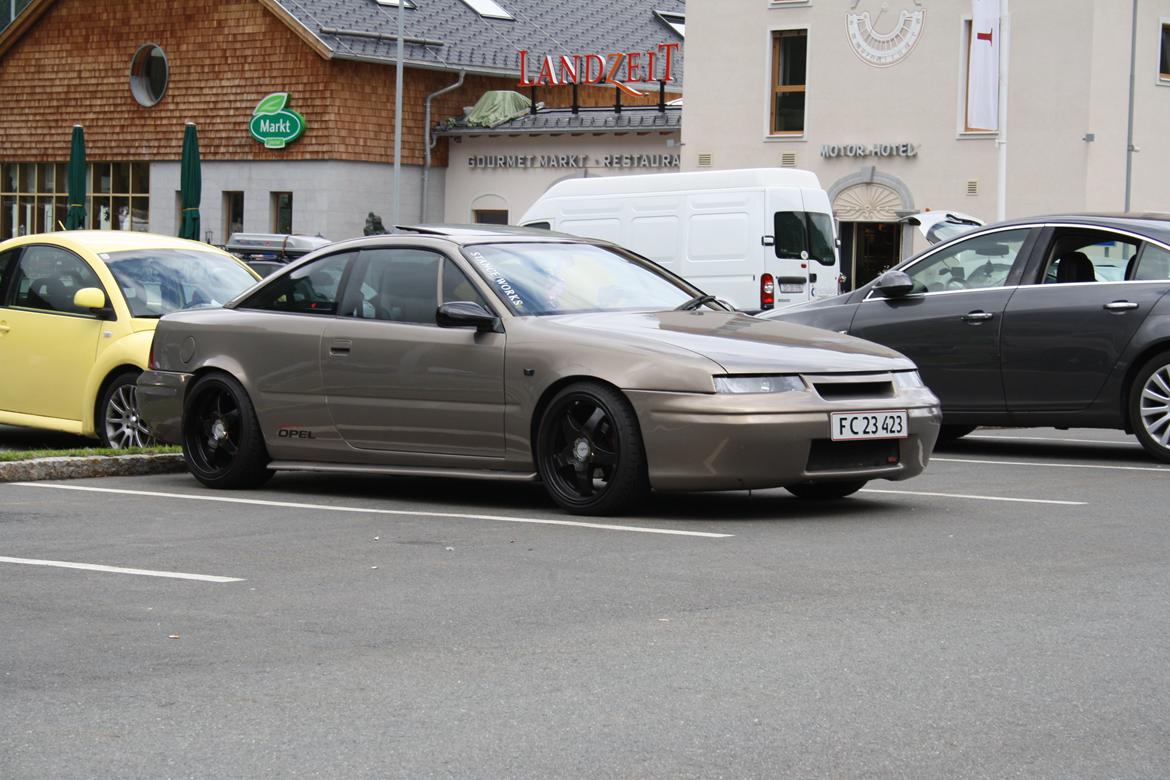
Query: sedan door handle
[(340, 347), (1121, 306), (977, 316)]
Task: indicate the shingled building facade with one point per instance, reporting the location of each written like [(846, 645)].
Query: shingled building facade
[(133, 72)]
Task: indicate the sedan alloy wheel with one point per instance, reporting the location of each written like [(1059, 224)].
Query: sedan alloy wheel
[(1150, 407)]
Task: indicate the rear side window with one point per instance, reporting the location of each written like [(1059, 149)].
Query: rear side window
[(1154, 265), (804, 231), (310, 289), (47, 278)]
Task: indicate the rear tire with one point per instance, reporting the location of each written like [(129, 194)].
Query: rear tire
[(954, 432), (825, 491), (1149, 406), (222, 442), (589, 451)]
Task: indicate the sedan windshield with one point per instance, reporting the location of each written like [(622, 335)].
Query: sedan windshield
[(536, 279), (158, 281)]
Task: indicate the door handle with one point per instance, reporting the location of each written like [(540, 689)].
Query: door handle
[(4, 327), (340, 347), (977, 316), (1120, 306)]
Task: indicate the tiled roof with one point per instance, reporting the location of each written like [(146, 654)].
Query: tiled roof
[(447, 34), (588, 120)]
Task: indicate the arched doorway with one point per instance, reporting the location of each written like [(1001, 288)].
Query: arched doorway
[(868, 206)]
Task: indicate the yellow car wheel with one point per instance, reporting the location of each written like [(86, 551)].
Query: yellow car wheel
[(119, 423)]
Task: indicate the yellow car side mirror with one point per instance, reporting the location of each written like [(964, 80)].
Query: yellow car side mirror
[(89, 298)]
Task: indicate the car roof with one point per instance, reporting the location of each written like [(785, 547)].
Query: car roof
[(1154, 223), (108, 241), (463, 235)]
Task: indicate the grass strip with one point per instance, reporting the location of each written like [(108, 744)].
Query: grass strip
[(88, 452)]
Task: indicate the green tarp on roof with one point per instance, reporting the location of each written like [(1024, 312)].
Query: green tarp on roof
[(496, 108)]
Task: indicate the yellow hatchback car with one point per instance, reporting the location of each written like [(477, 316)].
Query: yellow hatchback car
[(78, 311)]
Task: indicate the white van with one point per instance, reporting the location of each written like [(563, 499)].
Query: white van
[(757, 238)]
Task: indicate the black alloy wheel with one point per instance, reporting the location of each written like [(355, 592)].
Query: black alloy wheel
[(589, 451), (222, 443), (825, 491), (119, 424), (1149, 406)]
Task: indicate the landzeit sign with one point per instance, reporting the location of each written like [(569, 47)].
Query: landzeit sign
[(485, 161), (869, 150), (618, 68)]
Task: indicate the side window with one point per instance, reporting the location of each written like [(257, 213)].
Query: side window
[(457, 287), (1078, 255), (311, 289), (7, 259), (983, 261), (46, 279), (400, 285), (1154, 265)]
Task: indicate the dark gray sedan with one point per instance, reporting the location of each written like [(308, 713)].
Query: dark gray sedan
[(1053, 321)]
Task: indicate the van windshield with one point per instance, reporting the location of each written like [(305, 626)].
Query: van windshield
[(547, 278), (805, 231)]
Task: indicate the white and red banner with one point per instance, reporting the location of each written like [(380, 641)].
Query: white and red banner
[(983, 66)]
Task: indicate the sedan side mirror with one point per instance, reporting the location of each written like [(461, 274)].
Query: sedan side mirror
[(893, 284), (463, 314), (93, 300)]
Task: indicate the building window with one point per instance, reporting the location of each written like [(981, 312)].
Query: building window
[(119, 195), (32, 198), (282, 212), (149, 75), (789, 55), (490, 216), (233, 214), (1164, 58)]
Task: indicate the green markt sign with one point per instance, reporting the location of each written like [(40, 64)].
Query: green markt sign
[(273, 124)]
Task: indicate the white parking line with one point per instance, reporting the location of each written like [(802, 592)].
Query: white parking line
[(1129, 443), (174, 575), (1051, 465), (977, 498), (371, 511)]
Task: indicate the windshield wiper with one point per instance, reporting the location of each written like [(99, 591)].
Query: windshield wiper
[(696, 302)]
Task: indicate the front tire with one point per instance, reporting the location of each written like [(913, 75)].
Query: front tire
[(119, 423), (825, 491), (589, 451), (1149, 406), (222, 442)]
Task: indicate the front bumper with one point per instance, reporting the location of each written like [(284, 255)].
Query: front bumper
[(724, 442), (160, 401)]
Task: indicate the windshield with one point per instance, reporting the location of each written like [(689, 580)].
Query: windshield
[(155, 282), (536, 279)]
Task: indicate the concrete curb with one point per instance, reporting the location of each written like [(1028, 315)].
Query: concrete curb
[(91, 466)]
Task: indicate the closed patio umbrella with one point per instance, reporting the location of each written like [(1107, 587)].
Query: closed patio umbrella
[(75, 217), (190, 184)]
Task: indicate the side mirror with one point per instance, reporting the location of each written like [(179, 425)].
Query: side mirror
[(93, 300), (465, 314), (893, 284)]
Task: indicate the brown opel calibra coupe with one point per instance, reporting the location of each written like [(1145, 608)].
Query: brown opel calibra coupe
[(527, 356)]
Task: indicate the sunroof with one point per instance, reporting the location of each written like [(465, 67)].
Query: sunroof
[(488, 9), (394, 3)]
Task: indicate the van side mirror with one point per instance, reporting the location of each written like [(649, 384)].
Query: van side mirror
[(465, 314), (893, 284)]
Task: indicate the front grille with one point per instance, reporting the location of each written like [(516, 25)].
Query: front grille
[(828, 455), (836, 390)]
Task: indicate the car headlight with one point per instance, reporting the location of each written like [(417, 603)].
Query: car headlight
[(758, 384), (908, 380)]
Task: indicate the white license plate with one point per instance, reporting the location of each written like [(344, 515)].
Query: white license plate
[(791, 288), (849, 426)]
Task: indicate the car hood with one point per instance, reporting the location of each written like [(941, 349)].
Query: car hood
[(743, 344)]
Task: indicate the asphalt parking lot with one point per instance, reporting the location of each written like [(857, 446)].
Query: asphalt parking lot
[(1005, 614)]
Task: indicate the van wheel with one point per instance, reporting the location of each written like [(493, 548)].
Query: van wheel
[(1149, 406), (222, 443)]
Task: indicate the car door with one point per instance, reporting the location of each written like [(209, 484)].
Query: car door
[(276, 338), (1072, 316), (395, 380), (47, 345), (949, 324)]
